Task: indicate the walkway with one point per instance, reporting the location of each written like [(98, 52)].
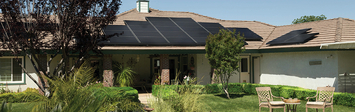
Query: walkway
[(144, 97)]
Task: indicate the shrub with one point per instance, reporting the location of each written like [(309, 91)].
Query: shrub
[(346, 99), (178, 98), (29, 95)]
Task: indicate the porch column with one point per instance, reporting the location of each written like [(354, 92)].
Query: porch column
[(108, 73), (164, 66), (42, 60)]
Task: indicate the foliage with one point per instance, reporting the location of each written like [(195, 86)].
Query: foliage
[(183, 99), (222, 51), (310, 18), (5, 107), (166, 91), (29, 95), (54, 27), (124, 74), (76, 93)]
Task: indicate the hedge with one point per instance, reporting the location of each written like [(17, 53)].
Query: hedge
[(29, 95), (346, 99), (114, 94)]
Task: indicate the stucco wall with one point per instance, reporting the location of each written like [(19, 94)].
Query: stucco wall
[(203, 69), (346, 62), (294, 69)]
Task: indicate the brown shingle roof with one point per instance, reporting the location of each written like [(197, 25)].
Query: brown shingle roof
[(330, 31)]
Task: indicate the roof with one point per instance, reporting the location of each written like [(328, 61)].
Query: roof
[(330, 31)]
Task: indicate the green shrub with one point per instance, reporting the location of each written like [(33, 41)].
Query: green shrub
[(287, 92), (346, 99), (29, 95), (213, 88), (235, 88)]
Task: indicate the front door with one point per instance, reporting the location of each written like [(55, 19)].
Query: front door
[(244, 69)]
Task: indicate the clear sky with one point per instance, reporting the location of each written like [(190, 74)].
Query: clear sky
[(274, 12)]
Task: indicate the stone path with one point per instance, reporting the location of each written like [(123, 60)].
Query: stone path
[(144, 97)]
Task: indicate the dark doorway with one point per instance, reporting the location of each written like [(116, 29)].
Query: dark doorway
[(172, 69)]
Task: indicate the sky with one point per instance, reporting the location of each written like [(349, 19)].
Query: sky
[(274, 12)]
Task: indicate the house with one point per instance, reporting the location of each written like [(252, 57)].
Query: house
[(168, 42)]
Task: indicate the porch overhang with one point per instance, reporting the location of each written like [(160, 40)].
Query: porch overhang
[(339, 45)]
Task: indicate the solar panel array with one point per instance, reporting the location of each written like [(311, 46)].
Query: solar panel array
[(294, 37), (162, 31)]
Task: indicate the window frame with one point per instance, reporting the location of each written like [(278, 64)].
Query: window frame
[(23, 79)]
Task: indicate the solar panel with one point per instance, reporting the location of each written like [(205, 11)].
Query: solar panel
[(248, 34), (212, 27), (146, 33), (193, 29), (294, 37), (170, 31), (126, 38)]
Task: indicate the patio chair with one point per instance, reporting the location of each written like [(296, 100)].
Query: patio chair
[(266, 99), (324, 99)]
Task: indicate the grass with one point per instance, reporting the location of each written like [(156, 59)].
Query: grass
[(23, 107), (249, 103)]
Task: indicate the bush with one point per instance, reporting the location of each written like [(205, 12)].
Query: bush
[(177, 98), (29, 95), (346, 99)]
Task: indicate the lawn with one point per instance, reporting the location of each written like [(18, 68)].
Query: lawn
[(249, 103)]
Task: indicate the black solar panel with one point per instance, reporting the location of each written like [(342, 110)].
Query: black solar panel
[(170, 31), (126, 38), (192, 28), (248, 34), (294, 37), (212, 27), (146, 33)]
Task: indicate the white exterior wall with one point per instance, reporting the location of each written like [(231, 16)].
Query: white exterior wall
[(143, 7), (294, 69), (346, 62), (203, 69)]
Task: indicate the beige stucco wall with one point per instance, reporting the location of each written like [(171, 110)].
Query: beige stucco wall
[(203, 69), (293, 69)]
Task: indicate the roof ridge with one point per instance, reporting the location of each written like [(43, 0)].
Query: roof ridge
[(267, 38), (123, 13), (339, 28), (214, 18)]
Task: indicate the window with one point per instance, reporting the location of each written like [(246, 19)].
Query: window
[(244, 63), (10, 71)]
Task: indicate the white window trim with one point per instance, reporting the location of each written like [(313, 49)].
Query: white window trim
[(23, 74)]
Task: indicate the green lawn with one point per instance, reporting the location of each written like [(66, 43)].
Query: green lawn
[(22, 107), (249, 103)]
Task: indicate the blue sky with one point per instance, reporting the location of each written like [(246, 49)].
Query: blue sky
[(274, 12)]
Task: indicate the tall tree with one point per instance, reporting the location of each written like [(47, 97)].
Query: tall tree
[(310, 18), (60, 28), (223, 52)]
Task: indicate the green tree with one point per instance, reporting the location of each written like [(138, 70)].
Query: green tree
[(223, 52), (310, 18)]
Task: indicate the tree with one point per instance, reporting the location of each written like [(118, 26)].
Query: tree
[(62, 28), (310, 18), (223, 52)]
